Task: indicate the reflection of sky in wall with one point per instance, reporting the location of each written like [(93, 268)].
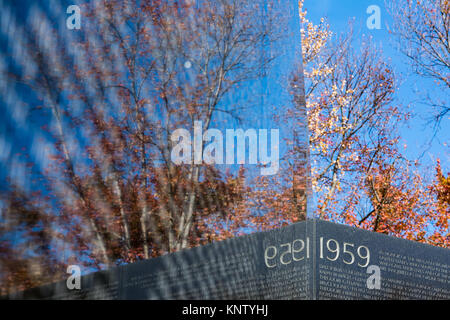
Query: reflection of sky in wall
[(412, 89), (20, 132), (21, 136), (22, 139), (263, 99)]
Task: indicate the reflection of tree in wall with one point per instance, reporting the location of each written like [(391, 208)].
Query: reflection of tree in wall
[(111, 193)]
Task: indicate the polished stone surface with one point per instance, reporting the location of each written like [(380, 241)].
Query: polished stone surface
[(307, 260)]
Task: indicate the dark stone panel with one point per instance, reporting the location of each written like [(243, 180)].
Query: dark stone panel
[(408, 269), (307, 260), (231, 269)]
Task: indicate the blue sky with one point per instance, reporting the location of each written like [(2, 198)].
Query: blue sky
[(419, 133)]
